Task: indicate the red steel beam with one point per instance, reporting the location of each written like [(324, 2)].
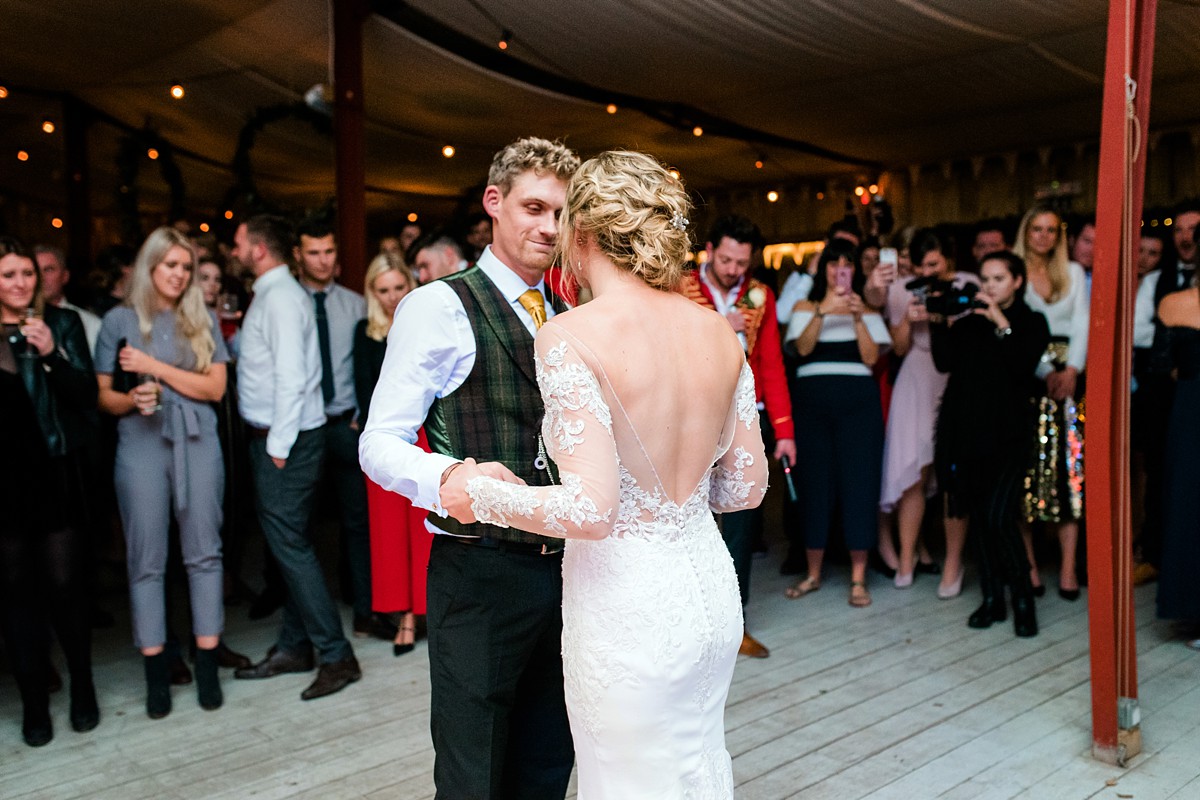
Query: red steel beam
[(349, 139)]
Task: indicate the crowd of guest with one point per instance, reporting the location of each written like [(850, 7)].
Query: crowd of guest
[(922, 397)]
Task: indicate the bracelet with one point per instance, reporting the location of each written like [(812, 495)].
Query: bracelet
[(817, 312)]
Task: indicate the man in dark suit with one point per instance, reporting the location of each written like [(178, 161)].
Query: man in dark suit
[(460, 363)]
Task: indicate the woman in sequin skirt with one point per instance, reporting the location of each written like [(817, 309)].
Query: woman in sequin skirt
[(1059, 289)]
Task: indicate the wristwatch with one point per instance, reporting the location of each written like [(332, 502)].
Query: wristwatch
[(817, 312), (1002, 332)]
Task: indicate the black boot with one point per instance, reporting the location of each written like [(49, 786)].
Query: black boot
[(1024, 616), (992, 610), (158, 685), (208, 682), (85, 713), (36, 727)]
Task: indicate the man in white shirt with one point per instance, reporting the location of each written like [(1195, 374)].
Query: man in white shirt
[(460, 362), (338, 310), (52, 265), (279, 396)]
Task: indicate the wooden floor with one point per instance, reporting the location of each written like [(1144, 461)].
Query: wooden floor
[(900, 700)]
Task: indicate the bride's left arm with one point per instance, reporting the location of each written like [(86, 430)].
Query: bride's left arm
[(578, 434), (739, 478)]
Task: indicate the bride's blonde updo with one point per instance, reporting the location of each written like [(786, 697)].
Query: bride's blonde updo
[(635, 210)]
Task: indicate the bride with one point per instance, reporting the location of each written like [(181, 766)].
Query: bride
[(652, 425)]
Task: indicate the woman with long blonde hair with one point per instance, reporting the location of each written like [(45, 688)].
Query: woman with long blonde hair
[(399, 541), (160, 363), (1058, 289)]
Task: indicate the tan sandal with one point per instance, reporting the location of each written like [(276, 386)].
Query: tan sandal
[(860, 597), (806, 586)]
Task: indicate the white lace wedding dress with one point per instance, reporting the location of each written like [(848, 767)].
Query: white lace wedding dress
[(652, 619)]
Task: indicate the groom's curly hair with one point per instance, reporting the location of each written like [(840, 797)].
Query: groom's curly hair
[(542, 156), (636, 210)]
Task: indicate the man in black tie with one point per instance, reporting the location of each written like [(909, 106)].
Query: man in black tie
[(338, 310)]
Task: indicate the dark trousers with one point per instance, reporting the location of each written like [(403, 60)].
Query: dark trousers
[(343, 471), (839, 431), (284, 498), (498, 716), (990, 494)]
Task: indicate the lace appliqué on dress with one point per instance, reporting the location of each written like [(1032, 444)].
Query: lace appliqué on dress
[(730, 489), (568, 387), (747, 404), (497, 502)]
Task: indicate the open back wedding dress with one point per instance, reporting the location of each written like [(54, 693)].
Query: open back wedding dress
[(646, 443)]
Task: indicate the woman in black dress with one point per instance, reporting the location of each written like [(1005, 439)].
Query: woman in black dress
[(47, 393), (1178, 598), (984, 427)]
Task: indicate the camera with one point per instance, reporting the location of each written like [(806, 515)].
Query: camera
[(943, 297)]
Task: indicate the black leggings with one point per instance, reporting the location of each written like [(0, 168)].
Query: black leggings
[(988, 491), (43, 585)]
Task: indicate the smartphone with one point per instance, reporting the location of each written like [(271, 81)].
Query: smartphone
[(889, 262), (845, 279)]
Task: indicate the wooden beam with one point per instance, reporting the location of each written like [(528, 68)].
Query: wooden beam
[(78, 187), (1124, 120), (349, 138)]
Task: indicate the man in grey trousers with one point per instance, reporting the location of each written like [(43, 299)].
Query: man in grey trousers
[(279, 395)]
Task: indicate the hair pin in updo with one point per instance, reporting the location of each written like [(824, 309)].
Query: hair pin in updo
[(679, 221)]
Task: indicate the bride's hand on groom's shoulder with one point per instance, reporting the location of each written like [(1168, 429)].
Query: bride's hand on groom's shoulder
[(453, 494)]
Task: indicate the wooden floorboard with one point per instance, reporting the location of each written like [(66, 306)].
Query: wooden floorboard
[(897, 701)]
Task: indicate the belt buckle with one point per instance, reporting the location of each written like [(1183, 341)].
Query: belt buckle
[(544, 549)]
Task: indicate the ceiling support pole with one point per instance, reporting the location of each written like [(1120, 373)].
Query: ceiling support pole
[(349, 138), (78, 186), (1116, 732)]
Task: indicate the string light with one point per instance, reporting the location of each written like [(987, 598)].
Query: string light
[(177, 91), (229, 214), (611, 108), (412, 216), (505, 35), (448, 151), (56, 223), (3, 92), (204, 227), (758, 164), (152, 154), (820, 195), (859, 191), (873, 188), (22, 155), (1168, 221), (697, 131), (47, 125), (772, 196)]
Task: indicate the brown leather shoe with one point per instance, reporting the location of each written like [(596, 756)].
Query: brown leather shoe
[(752, 647), (277, 662), (333, 677), (231, 659)]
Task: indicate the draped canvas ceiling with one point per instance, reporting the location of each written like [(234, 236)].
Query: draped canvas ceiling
[(807, 87)]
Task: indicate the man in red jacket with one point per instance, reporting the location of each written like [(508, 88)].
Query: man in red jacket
[(723, 284)]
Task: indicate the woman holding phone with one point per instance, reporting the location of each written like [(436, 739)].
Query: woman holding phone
[(168, 455), (837, 339)]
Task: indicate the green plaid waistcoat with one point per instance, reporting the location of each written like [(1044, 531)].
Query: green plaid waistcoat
[(496, 414)]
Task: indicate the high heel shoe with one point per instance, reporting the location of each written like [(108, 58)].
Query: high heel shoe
[(954, 589), (407, 630), (903, 581), (1070, 595)]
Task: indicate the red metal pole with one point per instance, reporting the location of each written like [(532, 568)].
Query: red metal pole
[(349, 139), (1129, 58)]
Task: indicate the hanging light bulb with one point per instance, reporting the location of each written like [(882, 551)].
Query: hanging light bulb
[(697, 131), (448, 151), (674, 173), (22, 155), (772, 196), (56, 223), (412, 216), (3, 92), (611, 108), (758, 164), (47, 125), (204, 228), (152, 154), (229, 214), (177, 91), (505, 35)]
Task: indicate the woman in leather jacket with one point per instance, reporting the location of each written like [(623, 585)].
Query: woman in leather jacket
[(48, 392)]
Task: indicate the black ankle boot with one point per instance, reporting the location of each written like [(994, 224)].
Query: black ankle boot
[(992, 610), (158, 685), (208, 682), (85, 713), (36, 728), (1024, 617)]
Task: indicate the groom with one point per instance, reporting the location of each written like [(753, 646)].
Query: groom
[(460, 362)]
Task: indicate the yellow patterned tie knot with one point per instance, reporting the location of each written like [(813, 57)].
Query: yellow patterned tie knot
[(533, 302)]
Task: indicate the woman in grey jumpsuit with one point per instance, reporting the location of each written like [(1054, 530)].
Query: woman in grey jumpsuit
[(160, 361)]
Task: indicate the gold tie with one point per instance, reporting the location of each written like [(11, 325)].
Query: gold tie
[(533, 302)]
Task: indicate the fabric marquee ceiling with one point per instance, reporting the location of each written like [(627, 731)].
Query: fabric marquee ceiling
[(877, 83)]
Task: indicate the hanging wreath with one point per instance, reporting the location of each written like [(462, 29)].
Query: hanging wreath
[(244, 188), (133, 147)]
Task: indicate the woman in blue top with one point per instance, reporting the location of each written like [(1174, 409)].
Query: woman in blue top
[(160, 362)]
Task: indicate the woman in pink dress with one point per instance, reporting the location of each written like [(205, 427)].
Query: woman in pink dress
[(908, 443)]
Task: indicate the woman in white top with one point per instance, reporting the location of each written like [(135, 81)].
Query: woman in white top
[(838, 416), (1058, 289)]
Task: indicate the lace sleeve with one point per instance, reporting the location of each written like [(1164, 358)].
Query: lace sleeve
[(577, 431), (739, 478)]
